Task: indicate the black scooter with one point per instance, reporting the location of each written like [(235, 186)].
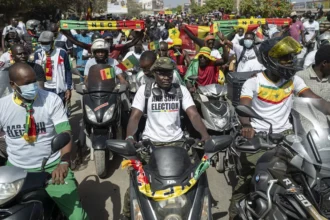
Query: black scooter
[(23, 194), (103, 112), (170, 167)]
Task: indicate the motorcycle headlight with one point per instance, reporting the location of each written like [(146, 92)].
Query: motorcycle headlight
[(205, 209), (90, 114), (220, 122), (109, 113), (9, 190), (137, 215), (173, 203)]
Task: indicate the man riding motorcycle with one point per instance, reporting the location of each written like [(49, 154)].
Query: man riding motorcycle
[(323, 39), (100, 50), (31, 117), (270, 93), (163, 121), (31, 36)]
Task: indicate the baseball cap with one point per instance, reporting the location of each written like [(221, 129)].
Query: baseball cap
[(163, 63), (46, 36), (293, 14)]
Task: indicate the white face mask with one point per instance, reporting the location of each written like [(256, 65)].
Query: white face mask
[(28, 91), (248, 43), (46, 47)]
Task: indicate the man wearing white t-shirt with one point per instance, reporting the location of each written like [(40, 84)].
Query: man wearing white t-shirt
[(163, 125), (270, 94), (31, 118), (100, 50), (312, 28)]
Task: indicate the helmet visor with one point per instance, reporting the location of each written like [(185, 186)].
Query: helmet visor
[(286, 46)]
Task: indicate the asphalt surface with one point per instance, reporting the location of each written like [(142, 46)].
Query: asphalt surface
[(102, 198)]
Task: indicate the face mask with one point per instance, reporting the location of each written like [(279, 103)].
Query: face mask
[(46, 47), (29, 91), (248, 43)]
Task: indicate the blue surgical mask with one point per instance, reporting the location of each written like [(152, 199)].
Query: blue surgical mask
[(28, 91), (248, 43), (46, 47)]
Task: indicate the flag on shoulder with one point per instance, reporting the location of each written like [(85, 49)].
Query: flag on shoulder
[(128, 63)]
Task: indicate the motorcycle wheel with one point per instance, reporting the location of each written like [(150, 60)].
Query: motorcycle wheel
[(220, 165), (101, 161)]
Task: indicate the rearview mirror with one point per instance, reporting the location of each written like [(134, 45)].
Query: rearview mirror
[(247, 111), (60, 141), (216, 144), (192, 78), (123, 148), (76, 72)]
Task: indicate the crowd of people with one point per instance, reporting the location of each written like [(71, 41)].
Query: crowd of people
[(292, 60)]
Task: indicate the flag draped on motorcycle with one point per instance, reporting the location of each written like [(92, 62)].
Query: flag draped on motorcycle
[(171, 192)]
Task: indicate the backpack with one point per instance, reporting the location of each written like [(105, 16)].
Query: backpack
[(256, 51), (147, 94)]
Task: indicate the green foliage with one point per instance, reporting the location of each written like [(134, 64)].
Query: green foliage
[(266, 8), (178, 9), (211, 5), (133, 8)]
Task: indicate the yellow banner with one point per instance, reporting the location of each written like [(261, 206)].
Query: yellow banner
[(245, 22), (168, 12)]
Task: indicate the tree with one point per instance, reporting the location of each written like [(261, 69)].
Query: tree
[(212, 5), (179, 9), (266, 8), (133, 8)]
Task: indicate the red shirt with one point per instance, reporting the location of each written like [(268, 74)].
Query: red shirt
[(209, 75)]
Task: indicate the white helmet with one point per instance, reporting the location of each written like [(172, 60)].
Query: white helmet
[(100, 44), (32, 24)]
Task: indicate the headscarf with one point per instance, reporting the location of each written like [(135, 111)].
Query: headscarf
[(206, 52)]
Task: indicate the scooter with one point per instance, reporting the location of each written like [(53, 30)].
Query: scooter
[(291, 179), (170, 186), (102, 115), (217, 114), (23, 194)]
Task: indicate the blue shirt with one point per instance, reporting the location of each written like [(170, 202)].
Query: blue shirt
[(87, 40)]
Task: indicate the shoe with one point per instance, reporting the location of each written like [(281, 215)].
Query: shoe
[(123, 217)]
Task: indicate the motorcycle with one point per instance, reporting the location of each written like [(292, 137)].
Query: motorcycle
[(102, 115), (291, 180), (170, 186), (23, 194), (217, 114)]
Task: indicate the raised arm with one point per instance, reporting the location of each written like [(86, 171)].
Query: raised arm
[(196, 40)]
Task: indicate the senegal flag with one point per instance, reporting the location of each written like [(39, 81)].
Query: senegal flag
[(154, 45), (107, 73), (199, 31), (128, 63), (174, 33)]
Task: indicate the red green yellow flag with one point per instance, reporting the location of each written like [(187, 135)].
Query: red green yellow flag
[(107, 73), (154, 45), (128, 63)]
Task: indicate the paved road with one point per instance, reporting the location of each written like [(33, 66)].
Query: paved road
[(102, 198)]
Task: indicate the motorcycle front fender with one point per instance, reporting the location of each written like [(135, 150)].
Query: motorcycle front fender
[(98, 142)]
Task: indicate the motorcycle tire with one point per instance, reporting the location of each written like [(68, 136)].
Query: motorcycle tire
[(220, 165), (101, 161)]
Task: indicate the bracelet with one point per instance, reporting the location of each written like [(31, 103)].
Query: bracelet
[(64, 162), (129, 137)]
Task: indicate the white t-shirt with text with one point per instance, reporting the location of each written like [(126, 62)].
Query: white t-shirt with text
[(163, 121), (48, 112)]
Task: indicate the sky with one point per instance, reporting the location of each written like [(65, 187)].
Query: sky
[(174, 3)]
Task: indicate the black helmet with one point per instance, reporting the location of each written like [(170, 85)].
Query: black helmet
[(274, 50), (164, 34), (96, 35)]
